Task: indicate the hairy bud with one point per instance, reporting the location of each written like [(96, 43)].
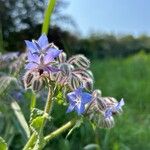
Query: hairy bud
[(66, 69), (101, 103), (28, 79), (107, 122), (110, 101), (88, 85), (62, 57), (97, 93), (37, 84), (74, 82), (79, 61)]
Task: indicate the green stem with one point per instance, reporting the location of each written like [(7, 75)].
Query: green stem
[(60, 130), (47, 16), (30, 142), (48, 102), (47, 108)]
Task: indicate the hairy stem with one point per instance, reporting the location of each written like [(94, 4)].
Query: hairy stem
[(47, 109), (60, 130), (30, 142)]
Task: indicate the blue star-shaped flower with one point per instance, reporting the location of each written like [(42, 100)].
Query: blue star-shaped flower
[(77, 100), (40, 54), (109, 112)]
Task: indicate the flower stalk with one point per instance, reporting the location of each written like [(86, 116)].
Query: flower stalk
[(60, 130)]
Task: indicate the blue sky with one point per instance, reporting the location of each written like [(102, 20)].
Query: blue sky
[(115, 16)]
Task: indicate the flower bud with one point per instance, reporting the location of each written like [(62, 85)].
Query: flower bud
[(97, 93), (101, 103), (110, 101), (27, 79), (79, 61), (107, 122), (62, 57), (88, 85), (86, 74), (37, 84), (66, 69), (74, 82)]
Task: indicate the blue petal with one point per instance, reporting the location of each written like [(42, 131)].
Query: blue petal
[(78, 91), (31, 46), (33, 57), (71, 96), (70, 108), (52, 53), (31, 66), (119, 105), (80, 109), (86, 97), (43, 41), (108, 113)]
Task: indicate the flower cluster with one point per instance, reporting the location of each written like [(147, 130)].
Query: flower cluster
[(102, 109), (45, 62)]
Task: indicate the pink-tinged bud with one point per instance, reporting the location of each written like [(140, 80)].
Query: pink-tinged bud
[(79, 61), (74, 82), (66, 69), (62, 57)]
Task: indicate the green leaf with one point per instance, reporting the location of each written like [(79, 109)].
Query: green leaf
[(35, 113), (77, 125), (3, 144), (48, 13), (18, 113), (37, 123)]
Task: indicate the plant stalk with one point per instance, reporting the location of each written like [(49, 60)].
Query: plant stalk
[(60, 130), (47, 16)]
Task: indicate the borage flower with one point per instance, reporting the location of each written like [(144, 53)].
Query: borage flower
[(77, 100), (114, 109), (41, 55)]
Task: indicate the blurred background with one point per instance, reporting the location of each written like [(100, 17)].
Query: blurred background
[(115, 36)]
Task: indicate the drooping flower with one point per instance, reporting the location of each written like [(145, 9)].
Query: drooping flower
[(111, 110), (41, 54), (77, 100)]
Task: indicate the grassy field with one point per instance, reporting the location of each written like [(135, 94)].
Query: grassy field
[(128, 78)]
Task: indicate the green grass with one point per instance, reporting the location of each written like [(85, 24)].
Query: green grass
[(128, 78)]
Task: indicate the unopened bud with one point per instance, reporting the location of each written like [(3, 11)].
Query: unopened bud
[(88, 85), (101, 103), (107, 122), (79, 61), (86, 74), (27, 79), (66, 69), (37, 84), (62, 57), (110, 101), (74, 82), (97, 93)]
